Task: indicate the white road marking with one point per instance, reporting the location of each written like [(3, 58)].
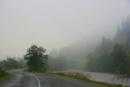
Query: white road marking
[(38, 81)]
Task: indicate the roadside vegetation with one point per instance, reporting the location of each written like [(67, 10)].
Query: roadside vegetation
[(12, 63), (112, 56), (4, 75), (79, 76), (108, 56), (36, 59)]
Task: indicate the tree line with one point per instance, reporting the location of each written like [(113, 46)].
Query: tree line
[(112, 55)]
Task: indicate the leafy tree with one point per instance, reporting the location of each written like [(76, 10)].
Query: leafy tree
[(36, 58)]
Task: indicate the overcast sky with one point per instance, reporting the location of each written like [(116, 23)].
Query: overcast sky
[(56, 23)]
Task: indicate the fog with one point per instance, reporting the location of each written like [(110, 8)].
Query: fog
[(57, 24)]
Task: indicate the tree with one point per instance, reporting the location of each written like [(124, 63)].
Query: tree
[(12, 63), (36, 59), (99, 59), (119, 59)]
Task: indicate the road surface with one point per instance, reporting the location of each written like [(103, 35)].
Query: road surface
[(24, 79)]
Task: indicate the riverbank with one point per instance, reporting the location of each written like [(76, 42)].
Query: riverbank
[(80, 76), (114, 79), (109, 78)]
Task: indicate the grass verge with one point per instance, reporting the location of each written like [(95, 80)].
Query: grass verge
[(4, 75), (79, 76)]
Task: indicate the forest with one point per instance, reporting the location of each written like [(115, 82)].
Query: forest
[(110, 55)]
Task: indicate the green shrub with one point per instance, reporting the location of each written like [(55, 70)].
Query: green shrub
[(4, 75)]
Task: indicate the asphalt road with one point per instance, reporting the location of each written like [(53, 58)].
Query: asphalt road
[(24, 79)]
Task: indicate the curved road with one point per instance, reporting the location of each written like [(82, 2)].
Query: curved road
[(23, 79)]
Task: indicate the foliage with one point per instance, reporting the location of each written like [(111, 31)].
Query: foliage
[(113, 55), (12, 63), (119, 59), (3, 75), (36, 59), (99, 59)]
